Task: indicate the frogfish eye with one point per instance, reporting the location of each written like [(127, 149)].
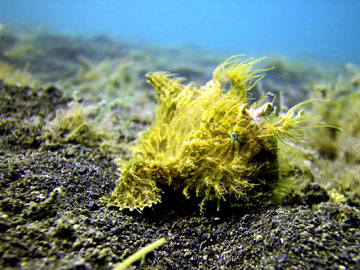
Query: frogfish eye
[(233, 136)]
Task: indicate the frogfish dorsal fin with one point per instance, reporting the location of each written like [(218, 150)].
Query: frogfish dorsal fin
[(165, 85)]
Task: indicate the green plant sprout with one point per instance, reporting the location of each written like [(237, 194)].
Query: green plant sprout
[(74, 124), (338, 148), (208, 141), (140, 254)]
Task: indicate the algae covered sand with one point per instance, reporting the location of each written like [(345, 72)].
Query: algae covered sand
[(53, 177)]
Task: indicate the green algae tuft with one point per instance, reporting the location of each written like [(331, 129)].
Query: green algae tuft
[(210, 142)]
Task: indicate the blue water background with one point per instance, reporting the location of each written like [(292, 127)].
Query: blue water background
[(317, 29)]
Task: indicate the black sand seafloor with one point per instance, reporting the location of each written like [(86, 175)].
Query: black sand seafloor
[(53, 176)]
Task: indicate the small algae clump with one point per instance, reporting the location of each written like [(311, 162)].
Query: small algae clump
[(208, 141)]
